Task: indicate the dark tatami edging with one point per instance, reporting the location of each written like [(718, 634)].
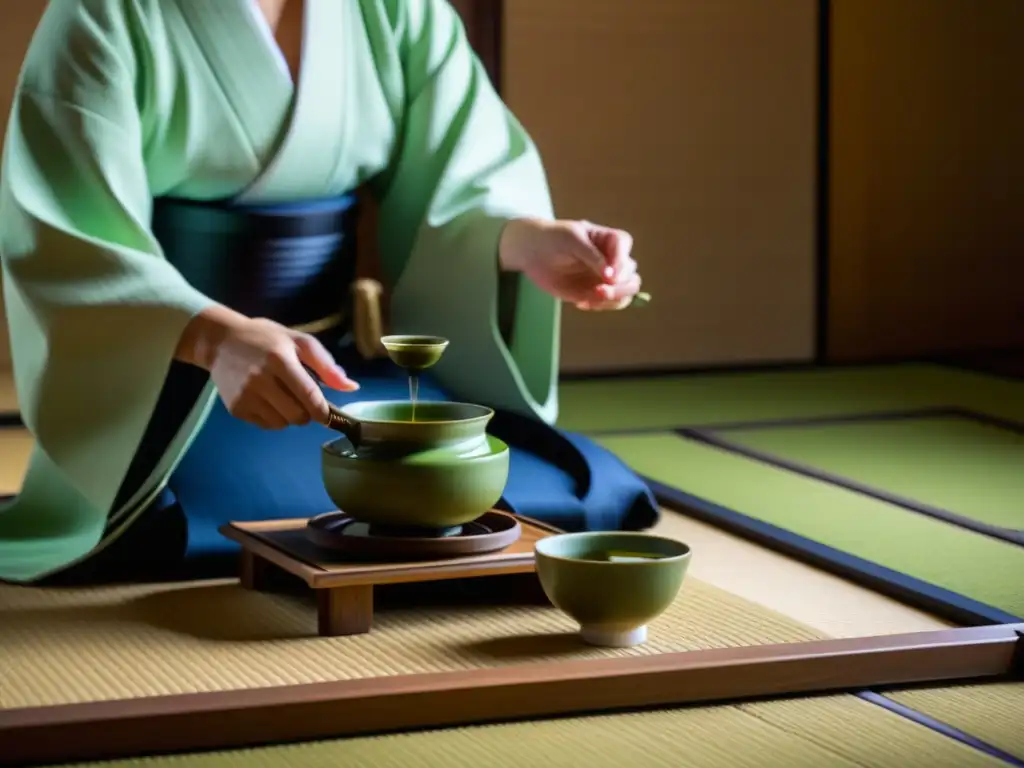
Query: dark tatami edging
[(715, 436)]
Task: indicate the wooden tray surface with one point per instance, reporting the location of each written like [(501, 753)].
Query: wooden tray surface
[(284, 543)]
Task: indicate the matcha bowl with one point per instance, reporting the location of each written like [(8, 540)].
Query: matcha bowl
[(613, 584), (435, 473)]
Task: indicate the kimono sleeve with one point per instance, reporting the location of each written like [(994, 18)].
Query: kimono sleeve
[(95, 312), (463, 168)]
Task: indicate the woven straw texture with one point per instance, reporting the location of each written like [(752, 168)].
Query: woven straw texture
[(832, 732), (64, 646)]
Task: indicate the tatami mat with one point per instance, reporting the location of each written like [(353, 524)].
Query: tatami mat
[(832, 732), (972, 564), (993, 713), (828, 603), (964, 467), (76, 646), (80, 645), (66, 645), (667, 402)]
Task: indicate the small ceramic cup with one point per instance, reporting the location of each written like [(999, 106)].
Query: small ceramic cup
[(613, 584), (414, 353)]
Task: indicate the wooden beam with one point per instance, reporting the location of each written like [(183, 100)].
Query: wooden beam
[(244, 718)]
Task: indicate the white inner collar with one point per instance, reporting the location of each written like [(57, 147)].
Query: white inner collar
[(268, 35)]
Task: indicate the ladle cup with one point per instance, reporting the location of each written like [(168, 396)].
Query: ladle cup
[(414, 354)]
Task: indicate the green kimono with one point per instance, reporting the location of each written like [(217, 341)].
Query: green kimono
[(121, 101)]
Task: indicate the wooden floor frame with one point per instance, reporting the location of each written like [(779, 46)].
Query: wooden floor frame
[(249, 718)]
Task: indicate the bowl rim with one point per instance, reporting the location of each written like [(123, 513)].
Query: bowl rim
[(486, 414), (415, 340), (537, 547), (499, 446)]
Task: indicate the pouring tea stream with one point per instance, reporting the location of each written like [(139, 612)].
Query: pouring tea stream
[(432, 468)]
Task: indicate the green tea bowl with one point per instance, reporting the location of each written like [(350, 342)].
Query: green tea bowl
[(613, 584), (440, 471)]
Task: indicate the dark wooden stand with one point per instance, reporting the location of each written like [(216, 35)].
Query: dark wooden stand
[(345, 589)]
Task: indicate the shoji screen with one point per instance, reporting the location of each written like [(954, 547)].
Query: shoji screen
[(692, 124)]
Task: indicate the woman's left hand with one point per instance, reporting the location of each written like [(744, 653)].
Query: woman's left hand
[(578, 262)]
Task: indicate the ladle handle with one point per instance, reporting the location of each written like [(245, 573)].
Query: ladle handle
[(346, 425), (336, 419)]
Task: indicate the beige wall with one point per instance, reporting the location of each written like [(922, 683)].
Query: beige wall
[(690, 123), (19, 21), (927, 219)]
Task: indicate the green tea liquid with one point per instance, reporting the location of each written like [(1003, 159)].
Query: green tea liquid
[(616, 556)]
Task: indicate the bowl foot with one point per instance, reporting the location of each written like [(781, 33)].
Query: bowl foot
[(610, 638)]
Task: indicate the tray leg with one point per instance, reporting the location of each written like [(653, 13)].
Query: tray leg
[(255, 571), (345, 610)]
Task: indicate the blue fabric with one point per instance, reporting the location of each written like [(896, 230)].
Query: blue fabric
[(236, 471), (280, 261)]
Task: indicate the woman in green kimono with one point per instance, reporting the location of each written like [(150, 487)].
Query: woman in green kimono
[(177, 206)]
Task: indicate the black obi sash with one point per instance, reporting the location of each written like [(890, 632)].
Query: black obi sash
[(293, 263)]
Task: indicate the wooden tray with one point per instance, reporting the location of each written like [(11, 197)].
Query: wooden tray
[(345, 590)]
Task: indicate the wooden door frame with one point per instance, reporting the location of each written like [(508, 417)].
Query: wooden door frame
[(483, 21), (823, 181)]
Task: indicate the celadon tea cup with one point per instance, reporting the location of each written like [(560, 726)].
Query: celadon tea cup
[(613, 584)]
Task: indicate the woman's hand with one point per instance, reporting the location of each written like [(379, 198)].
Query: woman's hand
[(575, 261), (257, 367)]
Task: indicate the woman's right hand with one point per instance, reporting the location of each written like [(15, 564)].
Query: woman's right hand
[(257, 367)]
